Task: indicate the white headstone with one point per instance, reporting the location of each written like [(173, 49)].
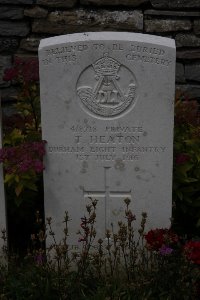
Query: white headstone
[(107, 116), (2, 194)]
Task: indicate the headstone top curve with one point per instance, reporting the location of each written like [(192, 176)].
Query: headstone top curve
[(107, 35)]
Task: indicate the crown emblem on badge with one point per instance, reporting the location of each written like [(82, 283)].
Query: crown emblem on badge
[(106, 66)]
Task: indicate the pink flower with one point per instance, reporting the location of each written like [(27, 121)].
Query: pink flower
[(24, 157), (39, 259), (192, 251), (38, 166), (165, 250)]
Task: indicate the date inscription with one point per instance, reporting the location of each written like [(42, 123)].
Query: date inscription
[(126, 143)]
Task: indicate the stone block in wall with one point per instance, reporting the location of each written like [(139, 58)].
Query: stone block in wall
[(89, 20), (192, 72), (27, 2), (11, 12), (175, 3), (167, 25), (176, 13), (192, 91), (9, 28), (30, 43), (197, 26), (9, 94), (36, 12), (57, 3), (131, 3), (180, 72), (8, 44), (187, 40), (188, 54), (5, 63)]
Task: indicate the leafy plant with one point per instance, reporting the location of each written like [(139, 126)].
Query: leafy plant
[(23, 149), (126, 264), (22, 153), (186, 180)]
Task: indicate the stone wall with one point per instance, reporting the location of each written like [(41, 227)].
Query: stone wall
[(24, 22)]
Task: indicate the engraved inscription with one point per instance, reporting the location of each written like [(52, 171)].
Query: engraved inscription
[(146, 54), (103, 90), (72, 53), (123, 142)]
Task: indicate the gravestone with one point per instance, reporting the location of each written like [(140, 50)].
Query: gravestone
[(107, 116), (2, 193)]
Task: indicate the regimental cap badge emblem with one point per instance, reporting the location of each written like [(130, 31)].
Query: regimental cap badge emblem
[(106, 88), (106, 66)]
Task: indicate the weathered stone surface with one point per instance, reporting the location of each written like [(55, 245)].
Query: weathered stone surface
[(197, 27), (9, 94), (84, 20), (180, 73), (36, 12), (175, 3), (11, 12), (57, 3), (153, 12), (16, 2), (8, 28), (30, 44), (191, 90), (187, 40), (131, 3), (8, 44), (109, 142), (192, 72), (5, 62), (190, 54), (166, 25), (25, 56)]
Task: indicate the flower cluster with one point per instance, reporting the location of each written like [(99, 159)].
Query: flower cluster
[(161, 240), (164, 241), (192, 251), (23, 70), (24, 157)]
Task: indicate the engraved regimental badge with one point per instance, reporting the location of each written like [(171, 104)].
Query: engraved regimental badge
[(107, 88)]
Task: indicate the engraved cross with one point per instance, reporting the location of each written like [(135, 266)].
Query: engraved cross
[(107, 194)]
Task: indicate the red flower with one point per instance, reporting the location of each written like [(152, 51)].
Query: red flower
[(10, 74), (182, 158), (23, 69), (157, 238), (192, 251)]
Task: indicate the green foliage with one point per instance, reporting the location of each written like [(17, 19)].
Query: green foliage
[(23, 149), (124, 265), (186, 180)]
